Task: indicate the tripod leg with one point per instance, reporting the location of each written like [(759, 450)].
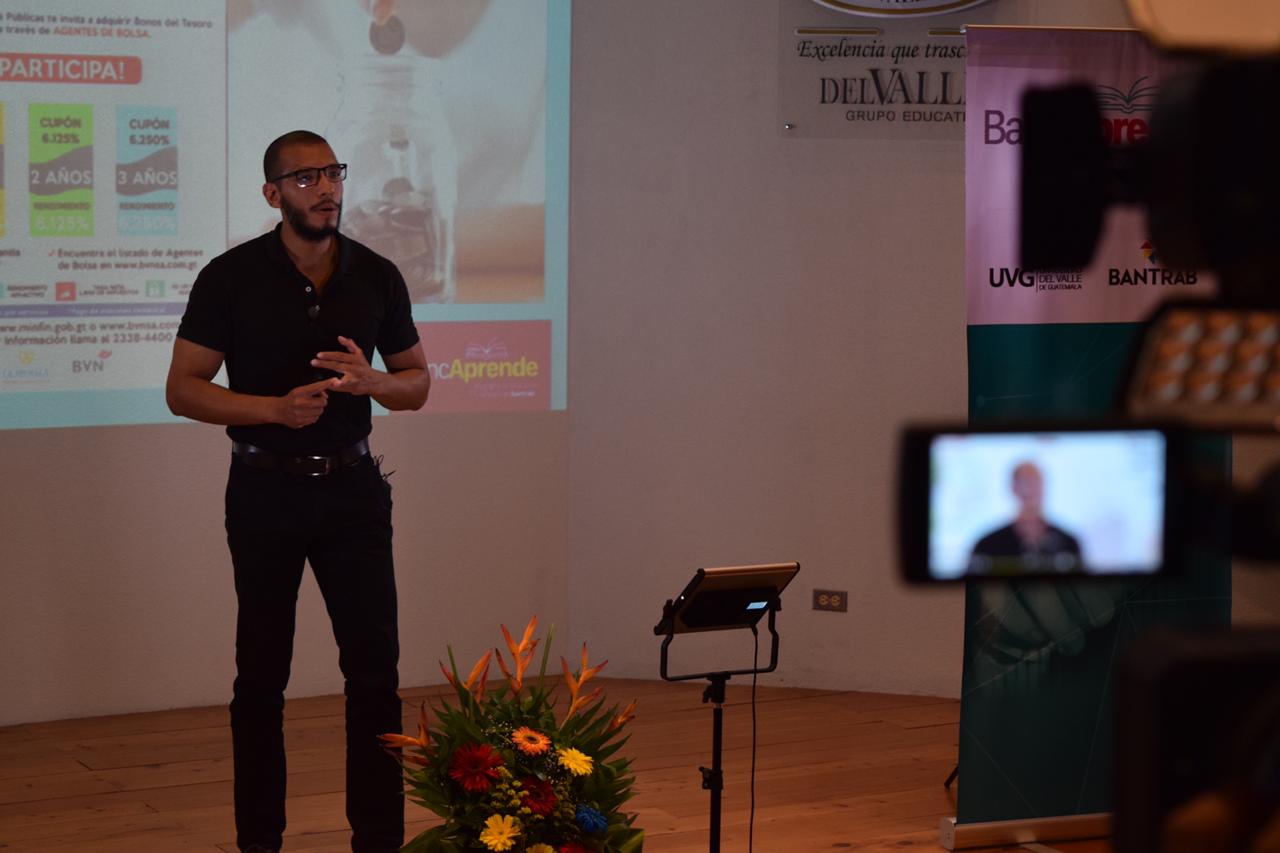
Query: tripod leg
[(954, 773)]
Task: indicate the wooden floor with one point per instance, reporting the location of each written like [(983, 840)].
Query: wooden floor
[(835, 771)]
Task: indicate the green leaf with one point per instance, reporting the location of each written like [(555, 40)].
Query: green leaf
[(434, 840), (624, 839), (606, 752), (546, 654), (453, 664)]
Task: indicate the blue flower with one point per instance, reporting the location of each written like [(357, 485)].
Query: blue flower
[(590, 820)]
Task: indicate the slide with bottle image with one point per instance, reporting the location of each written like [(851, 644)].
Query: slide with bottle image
[(132, 134)]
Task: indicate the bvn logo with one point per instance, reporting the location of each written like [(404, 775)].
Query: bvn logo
[(91, 365), (1004, 276)]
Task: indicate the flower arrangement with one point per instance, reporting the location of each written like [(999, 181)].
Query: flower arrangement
[(507, 775)]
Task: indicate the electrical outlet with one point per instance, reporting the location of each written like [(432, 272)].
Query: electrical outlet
[(836, 600)]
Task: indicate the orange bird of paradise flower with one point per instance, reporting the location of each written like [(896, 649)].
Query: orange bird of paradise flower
[(477, 680), (399, 741), (623, 717), (577, 700), (521, 655)]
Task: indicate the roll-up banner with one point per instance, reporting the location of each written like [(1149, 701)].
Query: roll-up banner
[(1036, 737)]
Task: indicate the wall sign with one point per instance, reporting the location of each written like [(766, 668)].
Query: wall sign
[(900, 76)]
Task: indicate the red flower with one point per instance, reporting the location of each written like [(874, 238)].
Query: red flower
[(574, 847), (538, 796), (474, 767)]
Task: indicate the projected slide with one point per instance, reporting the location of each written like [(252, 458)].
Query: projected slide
[(113, 190), (133, 133)]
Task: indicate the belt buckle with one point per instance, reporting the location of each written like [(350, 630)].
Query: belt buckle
[(325, 462)]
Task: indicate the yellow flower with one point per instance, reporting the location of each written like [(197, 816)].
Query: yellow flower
[(575, 761), (500, 832), (530, 742), (542, 848)]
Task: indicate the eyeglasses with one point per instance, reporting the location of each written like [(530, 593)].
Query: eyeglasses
[(335, 172)]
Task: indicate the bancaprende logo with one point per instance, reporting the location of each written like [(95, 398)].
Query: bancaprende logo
[(488, 366), (469, 371), (489, 360), (1121, 124)]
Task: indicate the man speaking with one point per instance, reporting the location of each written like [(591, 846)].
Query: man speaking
[(296, 315), (1029, 543)]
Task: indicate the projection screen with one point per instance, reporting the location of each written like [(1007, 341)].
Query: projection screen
[(131, 141)]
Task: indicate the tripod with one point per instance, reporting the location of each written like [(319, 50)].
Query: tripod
[(713, 776)]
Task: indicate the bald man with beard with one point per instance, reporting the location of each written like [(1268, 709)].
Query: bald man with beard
[(1029, 543)]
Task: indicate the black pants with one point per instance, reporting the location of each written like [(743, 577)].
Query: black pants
[(341, 524)]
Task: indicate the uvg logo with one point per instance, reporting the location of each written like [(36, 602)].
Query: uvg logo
[(1005, 276), (1043, 280)]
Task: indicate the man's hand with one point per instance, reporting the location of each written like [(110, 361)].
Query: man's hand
[(305, 404), (357, 376)]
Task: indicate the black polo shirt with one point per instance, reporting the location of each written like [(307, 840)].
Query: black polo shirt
[(253, 305)]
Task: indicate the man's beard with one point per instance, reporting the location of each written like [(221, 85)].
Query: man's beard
[(297, 217)]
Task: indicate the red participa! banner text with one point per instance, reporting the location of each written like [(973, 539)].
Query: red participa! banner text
[(69, 68)]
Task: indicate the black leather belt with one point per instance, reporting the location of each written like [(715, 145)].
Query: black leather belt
[(310, 466)]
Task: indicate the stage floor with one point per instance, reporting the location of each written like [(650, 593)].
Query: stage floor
[(835, 771)]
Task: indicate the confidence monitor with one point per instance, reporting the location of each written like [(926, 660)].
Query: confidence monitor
[(726, 597)]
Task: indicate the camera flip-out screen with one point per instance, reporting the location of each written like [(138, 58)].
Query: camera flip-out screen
[(1036, 503)]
